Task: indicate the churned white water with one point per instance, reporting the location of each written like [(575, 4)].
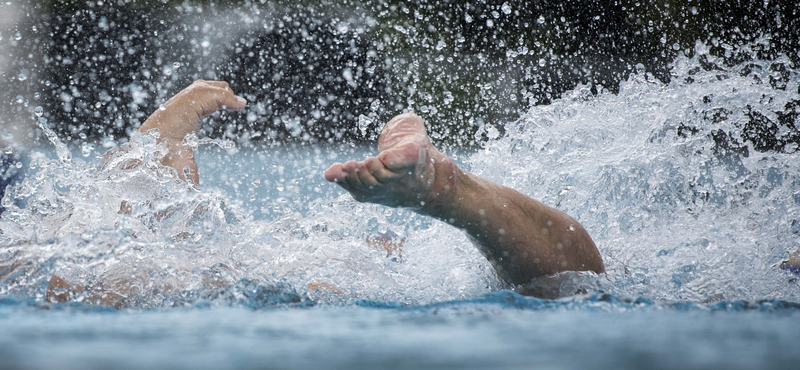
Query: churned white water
[(680, 203)]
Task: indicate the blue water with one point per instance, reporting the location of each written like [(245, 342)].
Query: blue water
[(499, 330), (264, 265)]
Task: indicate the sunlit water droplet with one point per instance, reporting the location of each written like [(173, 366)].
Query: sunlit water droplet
[(506, 8), (17, 36), (540, 20), (162, 107), (38, 111), (19, 99), (22, 77)]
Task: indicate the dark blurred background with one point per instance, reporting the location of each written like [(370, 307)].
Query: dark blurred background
[(326, 71)]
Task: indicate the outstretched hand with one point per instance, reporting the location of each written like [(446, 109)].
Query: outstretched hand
[(403, 174), (181, 115)]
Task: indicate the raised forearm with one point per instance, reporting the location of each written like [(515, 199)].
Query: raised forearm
[(522, 237)]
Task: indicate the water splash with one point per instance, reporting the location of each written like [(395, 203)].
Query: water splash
[(689, 188), (129, 234)]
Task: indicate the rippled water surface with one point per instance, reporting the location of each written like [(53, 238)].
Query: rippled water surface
[(266, 265)]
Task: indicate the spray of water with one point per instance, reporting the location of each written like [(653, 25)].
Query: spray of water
[(675, 181), (682, 197)]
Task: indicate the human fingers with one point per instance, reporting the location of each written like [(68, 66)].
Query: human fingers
[(239, 102), (351, 169), (366, 177), (379, 171), (211, 97), (334, 173)]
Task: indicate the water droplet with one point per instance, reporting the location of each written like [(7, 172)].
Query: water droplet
[(36, 95), (363, 124), (191, 140), (162, 107), (571, 227), (506, 8), (424, 109), (542, 62), (8, 150), (206, 42), (676, 47), (448, 98), (17, 36), (38, 111), (468, 18), (176, 65), (440, 45), (540, 20), (22, 77), (20, 99), (87, 149), (347, 74), (495, 14)]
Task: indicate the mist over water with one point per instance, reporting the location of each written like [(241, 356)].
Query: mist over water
[(681, 196)]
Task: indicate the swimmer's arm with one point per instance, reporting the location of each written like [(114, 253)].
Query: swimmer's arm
[(181, 115), (178, 117), (522, 237)]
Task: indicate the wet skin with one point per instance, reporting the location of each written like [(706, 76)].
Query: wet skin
[(522, 237)]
